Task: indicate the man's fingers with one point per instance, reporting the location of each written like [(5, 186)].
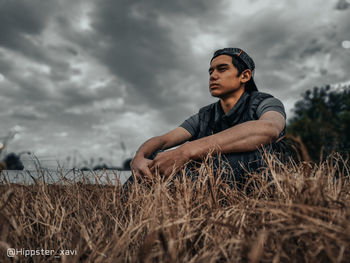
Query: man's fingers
[(170, 171), (146, 172), (153, 166), (151, 163)]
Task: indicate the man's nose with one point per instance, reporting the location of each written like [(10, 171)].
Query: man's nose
[(213, 76)]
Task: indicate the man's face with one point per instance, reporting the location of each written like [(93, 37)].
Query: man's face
[(223, 80)]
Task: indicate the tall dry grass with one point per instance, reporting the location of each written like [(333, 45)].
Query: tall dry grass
[(287, 213)]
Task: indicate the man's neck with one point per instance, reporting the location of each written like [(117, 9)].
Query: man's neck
[(229, 102)]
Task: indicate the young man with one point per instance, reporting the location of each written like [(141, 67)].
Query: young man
[(236, 126)]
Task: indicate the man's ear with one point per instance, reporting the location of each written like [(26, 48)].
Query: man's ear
[(246, 75)]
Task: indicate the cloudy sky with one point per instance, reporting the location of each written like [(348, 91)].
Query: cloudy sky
[(96, 78)]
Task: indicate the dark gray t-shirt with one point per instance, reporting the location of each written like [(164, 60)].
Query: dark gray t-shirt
[(269, 104)]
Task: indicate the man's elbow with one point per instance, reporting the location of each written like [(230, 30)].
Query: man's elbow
[(273, 123), (272, 131)]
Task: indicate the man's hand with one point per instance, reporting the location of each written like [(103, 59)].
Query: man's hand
[(169, 161), (140, 167)]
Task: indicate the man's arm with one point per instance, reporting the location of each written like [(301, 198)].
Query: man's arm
[(140, 163), (247, 136)]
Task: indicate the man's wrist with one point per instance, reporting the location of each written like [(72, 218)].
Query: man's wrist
[(187, 151), (196, 150)]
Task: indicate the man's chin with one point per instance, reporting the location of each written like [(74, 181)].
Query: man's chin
[(215, 94)]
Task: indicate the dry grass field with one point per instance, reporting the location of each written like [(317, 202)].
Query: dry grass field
[(291, 213)]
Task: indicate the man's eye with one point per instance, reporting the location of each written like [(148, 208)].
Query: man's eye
[(222, 69)]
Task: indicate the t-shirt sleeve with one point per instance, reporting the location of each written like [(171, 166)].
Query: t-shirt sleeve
[(191, 124), (270, 104)]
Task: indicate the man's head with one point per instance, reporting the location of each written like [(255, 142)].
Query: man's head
[(240, 61)]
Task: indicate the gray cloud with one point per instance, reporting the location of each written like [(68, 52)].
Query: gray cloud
[(20, 114), (142, 50), (18, 18), (342, 5), (21, 22)]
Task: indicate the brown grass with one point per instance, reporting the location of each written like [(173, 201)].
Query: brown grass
[(294, 217)]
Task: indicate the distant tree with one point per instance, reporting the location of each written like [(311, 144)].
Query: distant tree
[(126, 164), (322, 120), (13, 162)]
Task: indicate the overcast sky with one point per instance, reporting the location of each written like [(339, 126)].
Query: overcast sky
[(89, 78)]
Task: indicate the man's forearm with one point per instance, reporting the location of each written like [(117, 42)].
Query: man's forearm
[(150, 146), (244, 137)]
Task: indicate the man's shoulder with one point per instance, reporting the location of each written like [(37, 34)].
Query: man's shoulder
[(258, 95), (256, 98), (266, 102), (264, 98)]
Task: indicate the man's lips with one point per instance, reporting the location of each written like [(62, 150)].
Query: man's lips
[(213, 85)]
